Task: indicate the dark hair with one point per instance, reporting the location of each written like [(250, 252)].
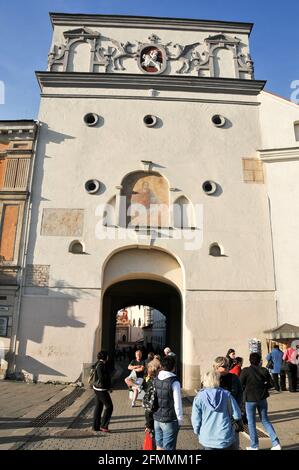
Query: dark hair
[(150, 355), (168, 363), (103, 355), (276, 346), (255, 359), (229, 352), (239, 360)]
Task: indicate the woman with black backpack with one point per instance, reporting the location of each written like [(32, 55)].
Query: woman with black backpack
[(102, 387)]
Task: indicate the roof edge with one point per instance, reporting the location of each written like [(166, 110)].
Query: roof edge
[(148, 21)]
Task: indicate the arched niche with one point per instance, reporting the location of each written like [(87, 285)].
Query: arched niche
[(183, 214), (224, 65), (109, 216), (144, 200), (79, 57)]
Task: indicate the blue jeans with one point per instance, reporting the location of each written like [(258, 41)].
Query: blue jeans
[(262, 406), (166, 434)]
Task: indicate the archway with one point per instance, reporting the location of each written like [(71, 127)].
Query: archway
[(156, 294)]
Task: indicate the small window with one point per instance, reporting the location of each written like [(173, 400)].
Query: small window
[(76, 247), (91, 119), (92, 186), (215, 250), (209, 187), (218, 120), (150, 120), (3, 326), (3, 297), (296, 130)]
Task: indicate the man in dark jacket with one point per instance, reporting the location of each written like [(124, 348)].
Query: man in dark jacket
[(256, 381), (102, 387)]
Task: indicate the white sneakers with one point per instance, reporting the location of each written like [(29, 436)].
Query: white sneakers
[(133, 404), (277, 447)]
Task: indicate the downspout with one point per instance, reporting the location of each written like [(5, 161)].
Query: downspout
[(25, 236)]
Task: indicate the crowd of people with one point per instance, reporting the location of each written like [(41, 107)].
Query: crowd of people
[(229, 396)]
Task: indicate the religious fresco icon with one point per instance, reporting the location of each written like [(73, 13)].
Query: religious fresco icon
[(147, 200), (152, 59)]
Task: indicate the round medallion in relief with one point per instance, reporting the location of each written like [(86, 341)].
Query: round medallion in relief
[(152, 59)]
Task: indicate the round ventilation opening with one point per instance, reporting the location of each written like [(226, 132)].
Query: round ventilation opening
[(209, 187), (218, 120), (92, 186), (91, 119), (150, 120)]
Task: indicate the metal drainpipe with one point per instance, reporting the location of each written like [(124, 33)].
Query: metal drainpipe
[(27, 218)]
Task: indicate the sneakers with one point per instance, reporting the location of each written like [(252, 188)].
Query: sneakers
[(252, 448), (104, 429), (133, 404), (277, 447)]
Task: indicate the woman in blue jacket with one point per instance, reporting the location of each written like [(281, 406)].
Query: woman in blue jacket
[(276, 357), (212, 413)]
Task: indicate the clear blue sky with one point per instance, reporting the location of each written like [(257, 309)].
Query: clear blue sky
[(25, 34)]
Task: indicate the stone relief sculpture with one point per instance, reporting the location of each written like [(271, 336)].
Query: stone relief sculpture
[(120, 53), (185, 56), (152, 57)]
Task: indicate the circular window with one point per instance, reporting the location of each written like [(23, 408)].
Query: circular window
[(91, 119), (150, 120), (209, 187), (92, 186), (218, 120)]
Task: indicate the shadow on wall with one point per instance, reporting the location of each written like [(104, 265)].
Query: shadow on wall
[(46, 136), (55, 309)]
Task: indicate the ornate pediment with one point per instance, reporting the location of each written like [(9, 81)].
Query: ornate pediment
[(222, 38), (81, 32)]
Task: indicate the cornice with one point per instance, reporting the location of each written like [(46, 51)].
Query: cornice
[(279, 154), (71, 19), (159, 82)]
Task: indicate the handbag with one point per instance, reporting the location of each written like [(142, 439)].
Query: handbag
[(238, 425), (270, 364), (149, 442)]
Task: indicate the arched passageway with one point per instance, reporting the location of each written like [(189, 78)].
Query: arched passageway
[(156, 294)]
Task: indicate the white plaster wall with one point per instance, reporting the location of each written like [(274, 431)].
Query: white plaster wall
[(57, 334), (217, 321), (282, 183), (277, 117), (189, 150)]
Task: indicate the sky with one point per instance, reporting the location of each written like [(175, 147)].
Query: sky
[(25, 37)]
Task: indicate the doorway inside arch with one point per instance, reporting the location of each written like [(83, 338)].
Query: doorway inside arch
[(153, 295)]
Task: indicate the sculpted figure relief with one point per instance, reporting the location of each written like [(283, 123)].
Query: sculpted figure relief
[(120, 53)]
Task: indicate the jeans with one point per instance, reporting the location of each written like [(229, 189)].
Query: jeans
[(292, 377), (262, 406), (275, 381), (166, 434), (102, 399)]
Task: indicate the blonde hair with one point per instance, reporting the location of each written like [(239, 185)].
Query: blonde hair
[(153, 367), (211, 379), (220, 361)]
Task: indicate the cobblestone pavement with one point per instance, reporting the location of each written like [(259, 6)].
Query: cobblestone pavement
[(127, 430), (17, 400)]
